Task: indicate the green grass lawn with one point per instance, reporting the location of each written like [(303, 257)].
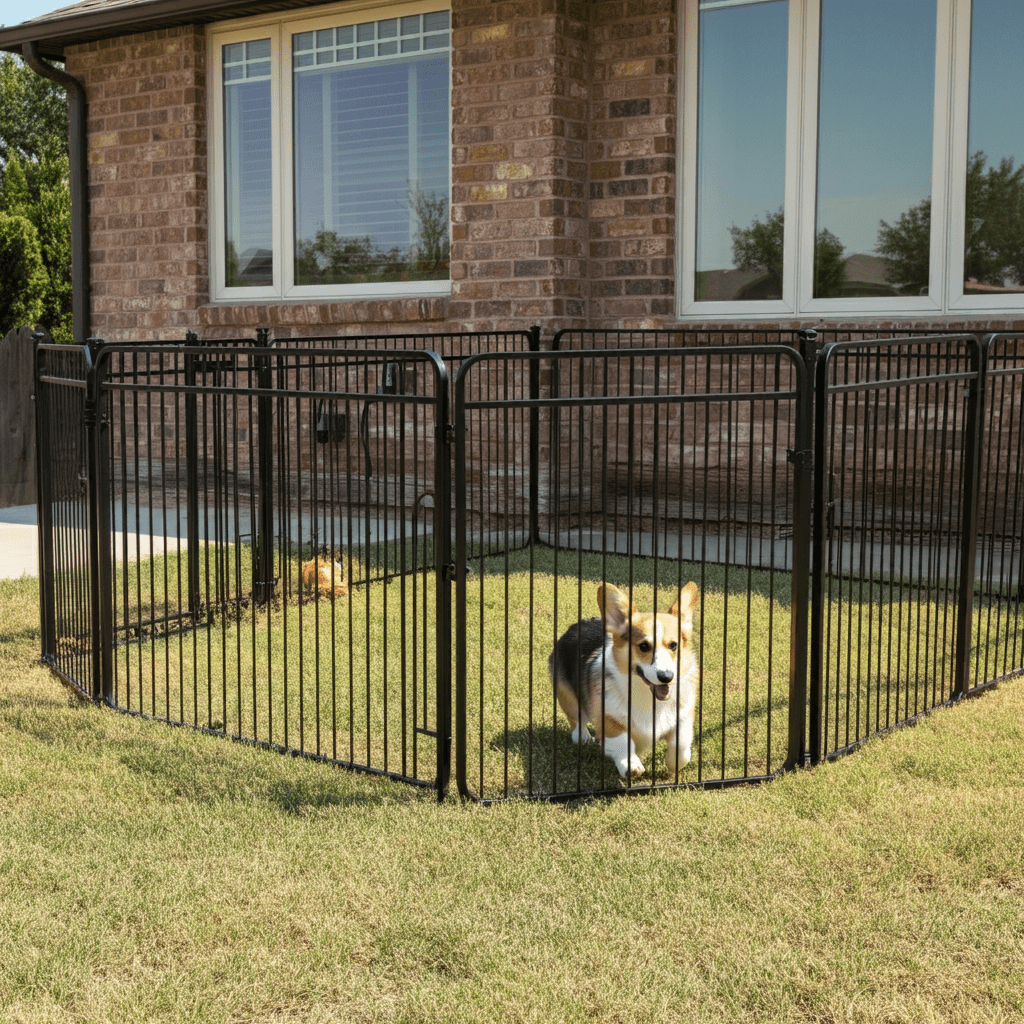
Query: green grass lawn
[(354, 679), (158, 874)]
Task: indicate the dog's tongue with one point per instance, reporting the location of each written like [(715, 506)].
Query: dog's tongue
[(660, 690)]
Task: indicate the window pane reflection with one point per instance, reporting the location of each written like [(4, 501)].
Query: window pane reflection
[(741, 150), (372, 159), (248, 225), (994, 223), (875, 118)]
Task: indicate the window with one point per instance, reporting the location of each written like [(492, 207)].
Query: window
[(331, 155), (851, 156)]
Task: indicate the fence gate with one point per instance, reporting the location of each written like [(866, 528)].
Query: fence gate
[(653, 467), (262, 542), (69, 594)]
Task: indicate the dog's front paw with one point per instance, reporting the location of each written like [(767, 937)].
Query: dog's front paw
[(674, 760), (581, 734), (634, 768)]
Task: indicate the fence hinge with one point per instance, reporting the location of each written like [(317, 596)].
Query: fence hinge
[(803, 459)]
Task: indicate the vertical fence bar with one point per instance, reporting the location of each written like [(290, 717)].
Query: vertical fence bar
[(969, 524), (534, 534), (263, 565), (803, 483), (44, 504), (192, 479), (98, 493), (460, 681), (443, 573), (821, 473)]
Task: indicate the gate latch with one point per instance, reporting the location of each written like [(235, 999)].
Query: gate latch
[(803, 459)]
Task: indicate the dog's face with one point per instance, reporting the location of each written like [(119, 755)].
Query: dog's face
[(651, 646)]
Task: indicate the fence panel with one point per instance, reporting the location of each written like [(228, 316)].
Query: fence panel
[(63, 481), (657, 467), (453, 348), (895, 481), (274, 538), (998, 643)]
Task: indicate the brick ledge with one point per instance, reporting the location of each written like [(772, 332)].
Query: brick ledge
[(363, 314)]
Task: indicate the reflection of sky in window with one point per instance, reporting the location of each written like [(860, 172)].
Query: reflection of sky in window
[(876, 115), (997, 114), (741, 123)]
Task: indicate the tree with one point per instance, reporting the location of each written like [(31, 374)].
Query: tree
[(760, 247), (39, 192), (35, 187), (33, 112), (432, 249), (906, 246), (829, 266), (330, 258), (994, 222), (23, 280)]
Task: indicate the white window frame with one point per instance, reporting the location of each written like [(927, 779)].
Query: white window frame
[(280, 28), (949, 173)]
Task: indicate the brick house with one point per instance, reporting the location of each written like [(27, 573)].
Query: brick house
[(491, 164)]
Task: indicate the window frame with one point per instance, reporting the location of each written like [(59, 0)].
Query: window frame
[(949, 174), (280, 28)]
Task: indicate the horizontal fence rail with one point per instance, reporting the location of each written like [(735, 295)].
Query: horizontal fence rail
[(318, 546)]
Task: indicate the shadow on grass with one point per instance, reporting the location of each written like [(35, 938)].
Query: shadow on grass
[(545, 762), (199, 776)]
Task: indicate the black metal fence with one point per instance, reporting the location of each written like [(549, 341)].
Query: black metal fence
[(323, 547)]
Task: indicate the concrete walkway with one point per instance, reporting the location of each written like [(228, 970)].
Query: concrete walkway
[(996, 563), (19, 542)]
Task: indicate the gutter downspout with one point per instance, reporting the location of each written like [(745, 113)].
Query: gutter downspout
[(77, 111)]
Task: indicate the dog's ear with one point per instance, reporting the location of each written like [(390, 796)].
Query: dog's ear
[(683, 608), (615, 608)]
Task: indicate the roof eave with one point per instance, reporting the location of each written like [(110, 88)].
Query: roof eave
[(53, 35)]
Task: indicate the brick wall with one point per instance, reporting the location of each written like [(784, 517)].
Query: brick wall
[(147, 181), (564, 134), (519, 175), (632, 154)]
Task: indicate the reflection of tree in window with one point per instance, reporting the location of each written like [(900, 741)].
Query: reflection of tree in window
[(331, 258), (994, 233), (759, 247)]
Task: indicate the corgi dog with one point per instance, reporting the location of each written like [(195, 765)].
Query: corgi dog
[(633, 675)]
